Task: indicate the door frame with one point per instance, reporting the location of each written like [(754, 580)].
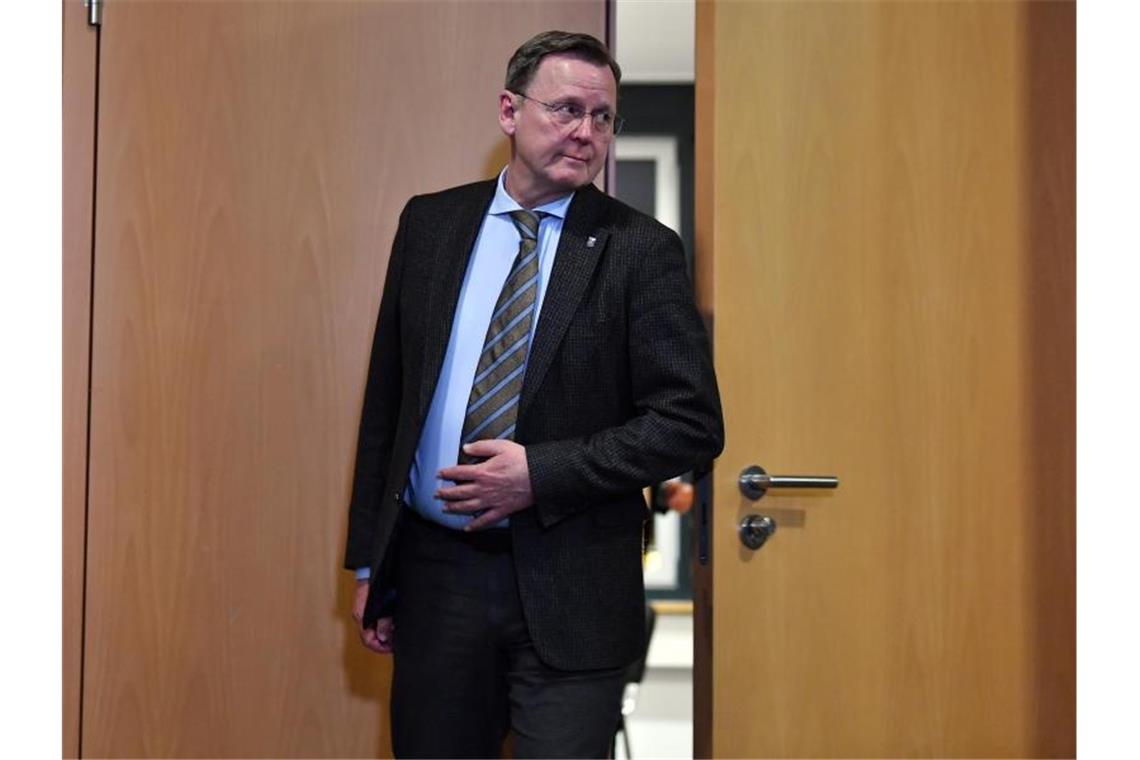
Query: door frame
[(80, 85)]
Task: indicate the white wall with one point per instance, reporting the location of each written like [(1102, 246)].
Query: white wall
[(655, 40)]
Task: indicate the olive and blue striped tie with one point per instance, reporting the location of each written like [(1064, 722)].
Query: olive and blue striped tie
[(493, 405)]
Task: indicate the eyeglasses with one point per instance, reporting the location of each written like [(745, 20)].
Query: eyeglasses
[(570, 115)]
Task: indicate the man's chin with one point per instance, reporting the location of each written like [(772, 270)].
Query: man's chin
[(572, 180)]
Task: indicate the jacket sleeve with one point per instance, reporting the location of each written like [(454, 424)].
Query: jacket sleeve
[(382, 394), (677, 422)]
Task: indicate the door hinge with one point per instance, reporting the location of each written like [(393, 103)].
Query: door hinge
[(94, 12)]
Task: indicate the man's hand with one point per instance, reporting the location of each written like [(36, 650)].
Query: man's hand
[(500, 485), (379, 638), (678, 495)]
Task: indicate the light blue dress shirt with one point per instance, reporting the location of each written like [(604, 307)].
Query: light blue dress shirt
[(495, 250)]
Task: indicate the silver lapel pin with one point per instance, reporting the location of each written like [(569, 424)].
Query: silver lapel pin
[(590, 241)]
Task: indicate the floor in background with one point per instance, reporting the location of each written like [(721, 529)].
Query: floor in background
[(661, 725)]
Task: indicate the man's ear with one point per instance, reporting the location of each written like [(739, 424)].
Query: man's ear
[(507, 112)]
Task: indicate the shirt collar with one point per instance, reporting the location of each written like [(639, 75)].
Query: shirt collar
[(503, 203)]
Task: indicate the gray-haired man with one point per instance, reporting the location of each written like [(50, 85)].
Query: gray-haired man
[(537, 361)]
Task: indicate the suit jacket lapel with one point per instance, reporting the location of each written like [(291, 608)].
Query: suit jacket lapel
[(452, 256), (573, 265)]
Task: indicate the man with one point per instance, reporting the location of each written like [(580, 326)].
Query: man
[(550, 331)]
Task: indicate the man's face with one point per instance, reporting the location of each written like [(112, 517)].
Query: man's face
[(551, 159)]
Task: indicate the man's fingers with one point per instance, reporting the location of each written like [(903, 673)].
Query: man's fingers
[(467, 505), (369, 639), (460, 472), (385, 634), (456, 493), (490, 517), (381, 638), (488, 447)]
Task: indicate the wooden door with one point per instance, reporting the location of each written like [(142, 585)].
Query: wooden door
[(886, 246), (252, 160)]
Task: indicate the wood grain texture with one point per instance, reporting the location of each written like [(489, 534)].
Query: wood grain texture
[(79, 52), (893, 301), (254, 158)]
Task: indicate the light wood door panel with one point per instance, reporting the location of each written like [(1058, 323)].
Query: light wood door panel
[(253, 160), (888, 252)]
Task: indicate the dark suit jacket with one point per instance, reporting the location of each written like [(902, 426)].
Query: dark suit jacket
[(619, 393)]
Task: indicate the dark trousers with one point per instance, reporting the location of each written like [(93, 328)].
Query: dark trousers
[(465, 669)]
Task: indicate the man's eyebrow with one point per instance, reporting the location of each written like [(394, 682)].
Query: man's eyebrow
[(571, 100)]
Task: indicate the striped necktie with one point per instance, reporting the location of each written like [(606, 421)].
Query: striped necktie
[(493, 405)]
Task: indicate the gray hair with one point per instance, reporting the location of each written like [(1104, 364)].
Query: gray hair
[(525, 61)]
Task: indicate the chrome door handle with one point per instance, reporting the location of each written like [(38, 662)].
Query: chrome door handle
[(755, 481)]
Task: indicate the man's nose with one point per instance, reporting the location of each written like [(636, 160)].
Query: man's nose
[(584, 129)]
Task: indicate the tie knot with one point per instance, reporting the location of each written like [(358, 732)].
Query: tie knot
[(527, 222)]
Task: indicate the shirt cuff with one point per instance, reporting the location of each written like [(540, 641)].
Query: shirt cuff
[(363, 573)]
